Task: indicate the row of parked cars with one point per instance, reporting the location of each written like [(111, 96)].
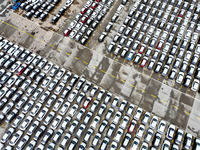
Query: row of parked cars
[(113, 20), (51, 107), (61, 12), (164, 41), (84, 24), (41, 9)]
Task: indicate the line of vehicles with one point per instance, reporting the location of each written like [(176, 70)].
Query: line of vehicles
[(162, 36), (90, 16), (48, 107), (42, 9)]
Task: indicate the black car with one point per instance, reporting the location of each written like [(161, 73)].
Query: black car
[(23, 5), (3, 102), (84, 40), (43, 15), (38, 13), (24, 55), (44, 6), (28, 7), (36, 7), (55, 2), (50, 8), (62, 10), (30, 14), (55, 19), (1, 118)]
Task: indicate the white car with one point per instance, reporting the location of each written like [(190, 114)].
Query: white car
[(110, 130), (73, 110), (146, 117), (130, 109), (7, 135), (64, 108), (135, 144), (80, 130), (66, 122), (15, 138), (138, 113), (58, 104), (157, 139), (80, 97), (86, 86), (73, 95), (80, 113), (80, 83), (140, 131), (115, 102), (118, 135), (122, 105), (104, 143), (95, 122), (109, 113), (107, 98), (101, 109), (94, 90), (49, 118), (65, 140), (33, 127), (73, 126), (162, 126), (94, 105), (113, 145), (179, 136), (88, 134), (195, 85), (171, 131), (73, 144), (96, 139), (35, 109), (149, 135), (100, 95), (117, 117), (87, 117), (42, 113), (103, 126), (56, 122), (59, 88), (126, 139), (26, 123), (144, 146), (154, 122), (124, 122), (22, 142), (166, 145), (179, 78)]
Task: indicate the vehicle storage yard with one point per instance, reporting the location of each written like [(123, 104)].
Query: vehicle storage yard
[(125, 75)]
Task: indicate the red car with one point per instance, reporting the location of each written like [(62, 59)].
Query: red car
[(132, 126), (160, 45), (84, 19), (67, 32), (141, 50), (94, 5), (181, 13), (21, 69), (83, 10), (143, 62), (87, 102), (98, 0)]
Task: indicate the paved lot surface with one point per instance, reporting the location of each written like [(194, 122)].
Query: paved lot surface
[(155, 94)]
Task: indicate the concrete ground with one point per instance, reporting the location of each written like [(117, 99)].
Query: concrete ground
[(95, 64)]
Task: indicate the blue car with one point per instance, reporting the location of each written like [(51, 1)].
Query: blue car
[(130, 55), (16, 5)]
